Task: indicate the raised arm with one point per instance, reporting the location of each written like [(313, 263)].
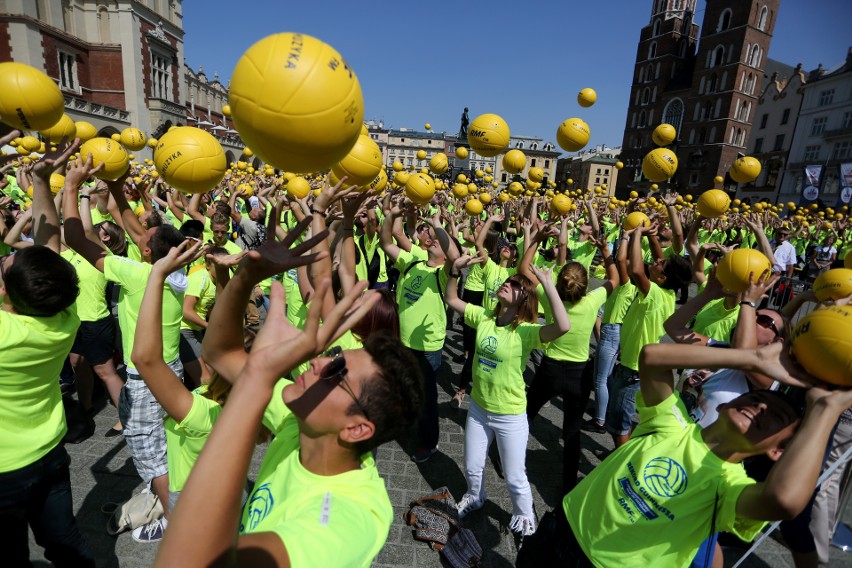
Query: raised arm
[(46, 230), (692, 237), (483, 233), (13, 235), (621, 257), (677, 326), (674, 220), (755, 225), (128, 217), (386, 234), (193, 208), (74, 231), (612, 277), (454, 268), (561, 323), (637, 265), (593, 216)]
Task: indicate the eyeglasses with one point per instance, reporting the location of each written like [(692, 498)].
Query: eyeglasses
[(515, 284), (3, 267), (767, 322), (337, 368)]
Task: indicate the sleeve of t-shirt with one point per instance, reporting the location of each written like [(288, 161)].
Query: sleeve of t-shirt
[(201, 416), (276, 411), (124, 271), (530, 336), (597, 298), (403, 260), (669, 415), (195, 283), (473, 315), (733, 482)]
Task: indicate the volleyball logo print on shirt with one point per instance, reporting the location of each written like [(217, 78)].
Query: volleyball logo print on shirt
[(665, 477), (259, 506), (488, 345)]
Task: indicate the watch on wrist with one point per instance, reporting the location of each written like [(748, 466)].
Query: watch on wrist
[(748, 303)]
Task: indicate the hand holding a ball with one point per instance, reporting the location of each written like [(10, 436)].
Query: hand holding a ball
[(759, 287), (776, 361), (53, 161), (79, 171)]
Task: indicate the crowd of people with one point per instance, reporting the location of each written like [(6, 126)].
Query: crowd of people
[(316, 325)]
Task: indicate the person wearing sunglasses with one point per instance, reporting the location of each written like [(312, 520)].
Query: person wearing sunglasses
[(504, 339)]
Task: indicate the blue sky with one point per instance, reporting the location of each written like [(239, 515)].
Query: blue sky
[(422, 62)]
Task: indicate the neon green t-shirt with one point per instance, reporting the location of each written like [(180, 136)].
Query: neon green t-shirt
[(493, 277), (91, 303), (618, 303), (583, 252), (201, 286), (133, 277), (372, 249), (186, 439), (207, 233), (98, 217), (133, 252), (297, 311), (32, 418), (574, 345), (499, 361), (323, 520), (475, 281), (422, 315), (651, 502), (716, 321), (643, 323)]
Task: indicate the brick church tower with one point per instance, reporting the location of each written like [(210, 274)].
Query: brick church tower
[(707, 91)]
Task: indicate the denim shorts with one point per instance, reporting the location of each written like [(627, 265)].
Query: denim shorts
[(622, 401)]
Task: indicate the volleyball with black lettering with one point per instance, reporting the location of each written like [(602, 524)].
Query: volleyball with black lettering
[(488, 135), (29, 99), (659, 164), (822, 344), (573, 134), (833, 284), (420, 188), (133, 139), (65, 128), (296, 102), (108, 152), (664, 134), (190, 159)]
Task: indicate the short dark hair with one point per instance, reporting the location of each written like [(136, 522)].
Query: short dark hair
[(162, 241), (219, 218), (394, 397), (40, 283), (117, 240), (192, 228), (384, 315), (678, 273), (154, 219)]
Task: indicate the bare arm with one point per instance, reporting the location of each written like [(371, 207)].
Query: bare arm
[(637, 265), (46, 229), (677, 326), (192, 208), (561, 323), (674, 220), (386, 235), (74, 232)]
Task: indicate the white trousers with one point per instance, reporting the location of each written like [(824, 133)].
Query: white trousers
[(512, 432)]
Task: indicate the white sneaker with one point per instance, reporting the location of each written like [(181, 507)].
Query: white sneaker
[(152, 532), (523, 526), (468, 504)]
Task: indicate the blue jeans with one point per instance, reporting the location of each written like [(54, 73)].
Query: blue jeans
[(622, 401), (427, 428), (605, 358), (40, 495)]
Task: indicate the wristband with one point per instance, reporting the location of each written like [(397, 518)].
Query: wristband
[(747, 303), (455, 275), (320, 213), (85, 196)]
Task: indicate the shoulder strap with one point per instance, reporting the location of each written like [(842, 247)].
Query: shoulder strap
[(410, 266), (437, 276)]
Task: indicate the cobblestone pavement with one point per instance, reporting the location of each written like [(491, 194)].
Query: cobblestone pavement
[(102, 471)]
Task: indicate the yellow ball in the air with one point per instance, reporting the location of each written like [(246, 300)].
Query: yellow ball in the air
[(713, 203), (116, 137), (573, 134), (718, 179), (439, 163), (226, 110), (664, 134), (428, 126), (833, 284), (420, 188), (659, 164), (514, 161), (459, 190), (619, 165), (421, 154), (29, 99), (31, 143), (108, 152), (473, 207), (587, 97), (634, 220), (298, 187), (536, 174), (190, 159), (745, 169), (378, 185), (488, 135), (561, 204), (133, 139), (485, 198), (822, 344), (461, 152), (361, 165), (735, 267), (397, 166), (401, 178), (85, 130), (296, 102), (65, 128)]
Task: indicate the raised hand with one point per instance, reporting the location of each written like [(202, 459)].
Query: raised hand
[(276, 257), (52, 161), (759, 289), (79, 171), (466, 260), (180, 256), (543, 275)]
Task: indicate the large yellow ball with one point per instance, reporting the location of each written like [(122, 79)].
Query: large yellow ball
[(847, 261), (473, 207), (31, 143), (361, 165), (745, 169), (298, 187), (108, 152), (296, 102), (401, 178), (488, 135), (833, 284), (573, 134), (461, 152), (713, 203), (735, 267), (459, 190), (504, 197), (420, 188), (190, 159), (561, 204), (439, 163), (133, 139), (587, 97), (634, 220), (29, 99), (659, 164), (514, 161), (664, 134), (65, 128), (536, 174), (378, 185), (421, 154), (85, 130), (485, 198), (397, 166), (515, 188), (822, 344)]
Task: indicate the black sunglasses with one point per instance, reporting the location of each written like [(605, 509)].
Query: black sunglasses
[(337, 368), (767, 322), (515, 284)]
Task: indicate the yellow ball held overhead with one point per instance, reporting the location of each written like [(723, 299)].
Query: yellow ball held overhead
[(659, 164), (65, 128), (833, 284), (421, 154), (619, 165), (573, 134), (473, 207), (361, 165), (439, 163), (29, 99), (514, 161), (296, 102), (822, 344), (745, 169), (420, 188), (664, 134), (298, 187), (634, 220), (536, 174), (109, 153), (587, 97), (133, 139), (561, 204), (378, 185), (735, 267), (190, 159), (461, 152), (488, 135), (713, 203)]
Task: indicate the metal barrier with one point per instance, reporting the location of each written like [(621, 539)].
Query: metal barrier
[(785, 290)]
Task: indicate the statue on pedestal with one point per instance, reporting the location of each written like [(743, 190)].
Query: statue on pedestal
[(463, 129)]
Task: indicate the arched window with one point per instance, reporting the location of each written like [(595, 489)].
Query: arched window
[(717, 56), (761, 19), (673, 114), (697, 112), (642, 119), (718, 109), (749, 86), (658, 70), (701, 85), (646, 96), (651, 116), (723, 82), (730, 53), (656, 31), (745, 110), (711, 84), (754, 58), (641, 75), (661, 5), (652, 50), (731, 136), (692, 136), (654, 95), (520, 146), (724, 20), (740, 136), (534, 146), (638, 97), (648, 75)]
